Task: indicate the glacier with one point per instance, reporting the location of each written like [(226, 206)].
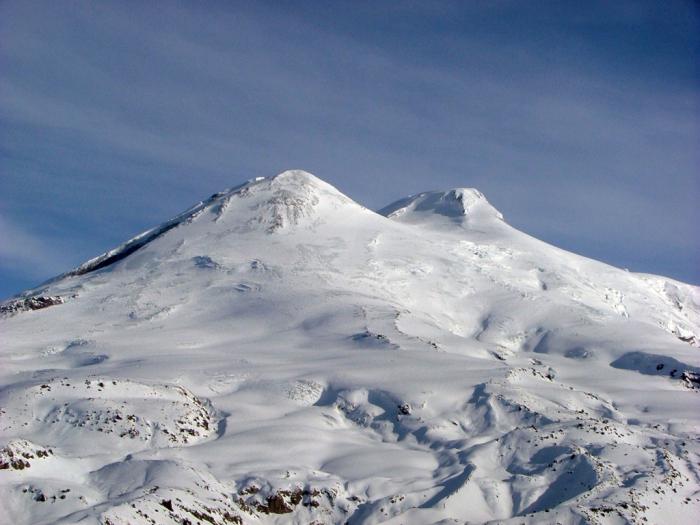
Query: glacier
[(281, 354)]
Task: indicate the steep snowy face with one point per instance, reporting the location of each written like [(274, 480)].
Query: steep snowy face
[(280, 354), (291, 199), (464, 206)]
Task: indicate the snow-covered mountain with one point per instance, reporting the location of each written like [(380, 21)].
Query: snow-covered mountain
[(281, 354)]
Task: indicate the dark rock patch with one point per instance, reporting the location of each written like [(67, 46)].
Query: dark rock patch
[(30, 303)]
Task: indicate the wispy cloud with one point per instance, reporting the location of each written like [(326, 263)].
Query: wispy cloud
[(34, 255)]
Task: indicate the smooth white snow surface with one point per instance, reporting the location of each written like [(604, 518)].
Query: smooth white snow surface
[(281, 354)]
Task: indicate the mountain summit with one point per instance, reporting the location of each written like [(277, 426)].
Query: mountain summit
[(461, 205), (268, 204), (279, 353)]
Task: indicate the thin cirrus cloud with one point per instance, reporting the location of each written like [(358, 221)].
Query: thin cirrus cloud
[(579, 124), (23, 251)]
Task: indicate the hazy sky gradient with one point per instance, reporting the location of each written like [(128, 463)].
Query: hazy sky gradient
[(578, 120)]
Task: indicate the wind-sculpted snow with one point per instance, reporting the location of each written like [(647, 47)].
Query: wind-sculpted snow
[(111, 411), (280, 354)]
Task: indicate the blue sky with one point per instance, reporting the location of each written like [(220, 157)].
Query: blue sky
[(578, 120)]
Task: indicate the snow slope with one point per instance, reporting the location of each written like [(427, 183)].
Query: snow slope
[(281, 354)]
